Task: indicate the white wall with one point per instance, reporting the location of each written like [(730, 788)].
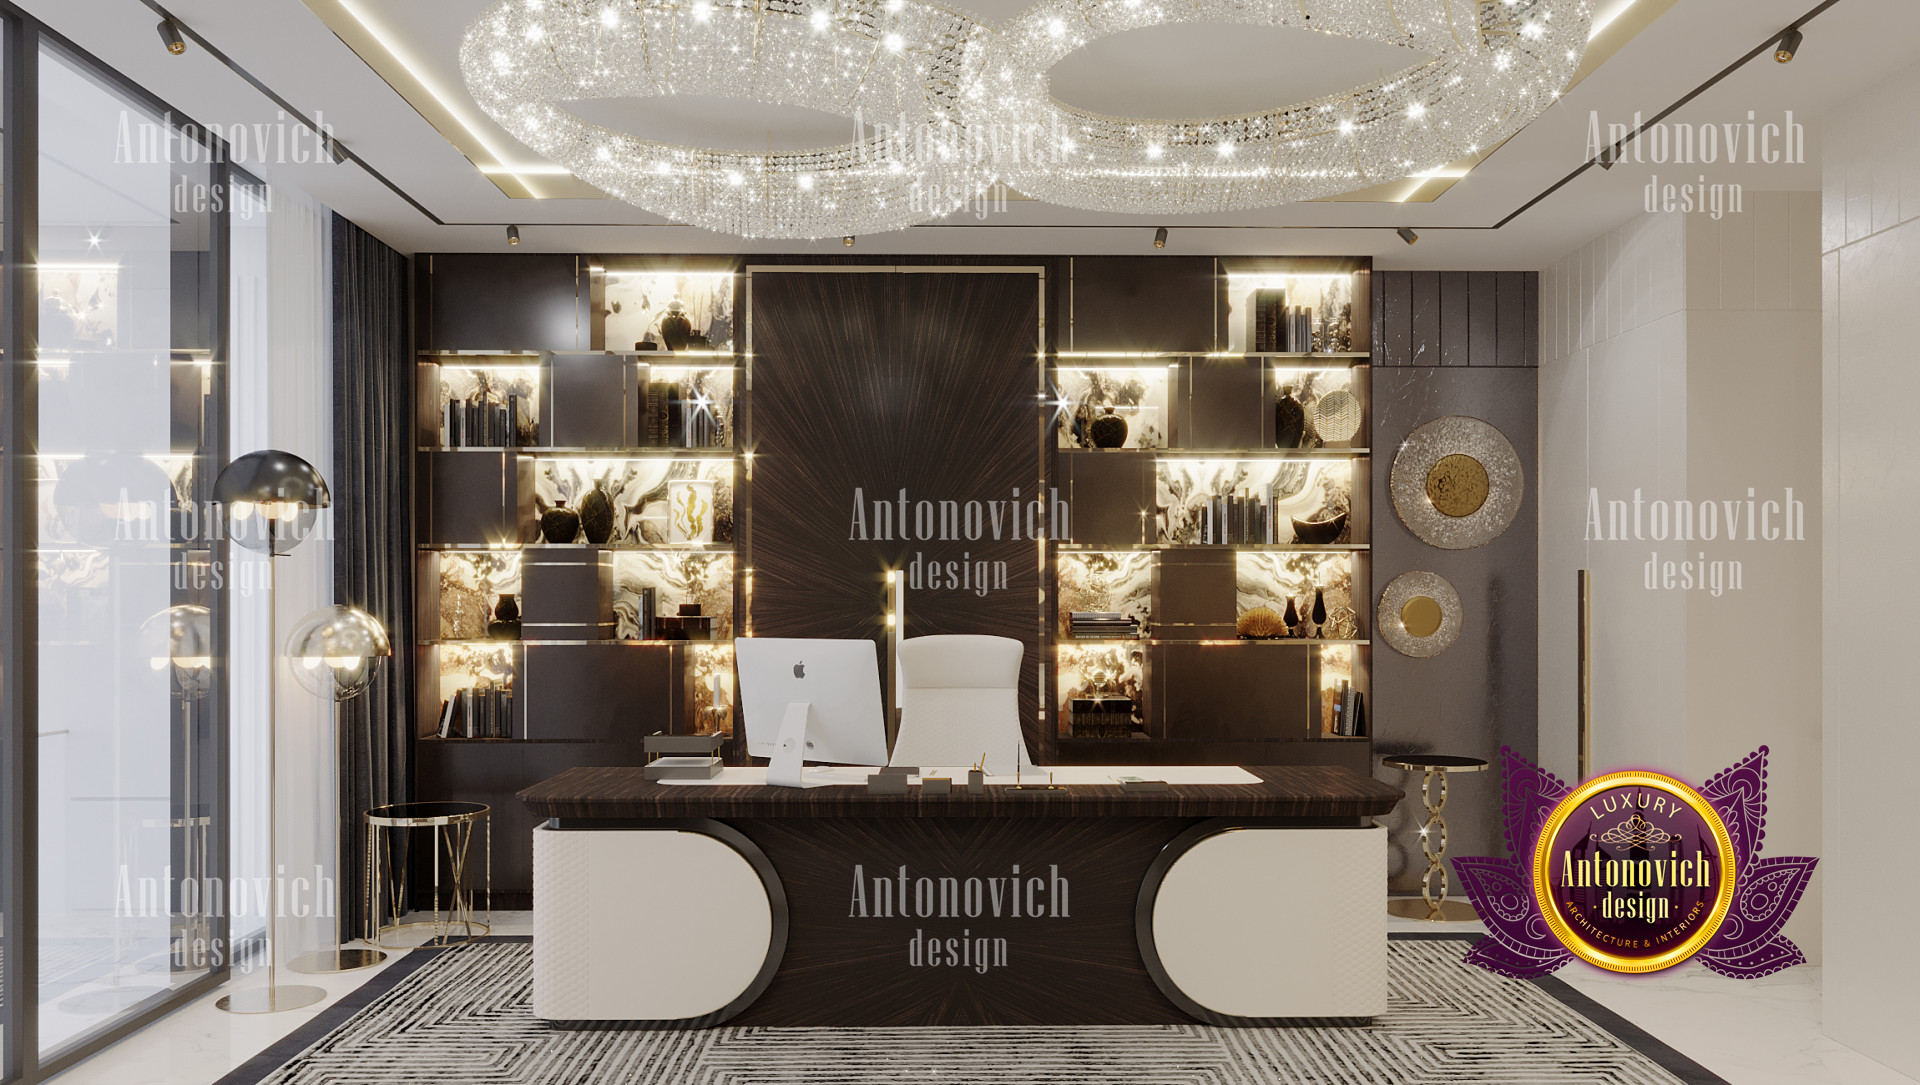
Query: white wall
[(1871, 520), (1679, 359)]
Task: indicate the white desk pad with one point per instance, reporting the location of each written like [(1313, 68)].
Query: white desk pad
[(1069, 775)]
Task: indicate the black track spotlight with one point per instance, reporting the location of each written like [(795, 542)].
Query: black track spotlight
[(1160, 238), (513, 235), (847, 241), (1789, 46), (1407, 235), (170, 34)]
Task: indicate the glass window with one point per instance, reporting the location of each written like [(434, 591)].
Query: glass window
[(129, 880)]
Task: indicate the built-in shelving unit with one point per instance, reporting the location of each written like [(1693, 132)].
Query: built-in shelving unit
[(1187, 522)]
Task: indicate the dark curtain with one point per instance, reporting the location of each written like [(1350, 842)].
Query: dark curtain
[(373, 545)]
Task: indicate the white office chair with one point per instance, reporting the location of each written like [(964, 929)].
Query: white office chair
[(960, 698)]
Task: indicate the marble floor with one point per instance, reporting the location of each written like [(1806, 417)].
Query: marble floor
[(1764, 1032)]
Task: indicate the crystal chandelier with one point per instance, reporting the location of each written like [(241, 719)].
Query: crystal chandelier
[(906, 64), (1485, 69)]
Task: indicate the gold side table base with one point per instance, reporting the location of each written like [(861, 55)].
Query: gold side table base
[(443, 934), (1446, 911), (325, 961), (271, 999)]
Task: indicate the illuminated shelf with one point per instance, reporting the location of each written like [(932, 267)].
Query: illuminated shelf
[(1164, 356), (1292, 548), (636, 643), (518, 547), (1219, 641)]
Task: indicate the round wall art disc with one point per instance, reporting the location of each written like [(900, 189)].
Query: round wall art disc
[(1457, 483), (1419, 614)]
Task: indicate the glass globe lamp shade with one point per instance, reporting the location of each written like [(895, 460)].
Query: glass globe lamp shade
[(336, 651), (271, 500), (180, 640), (113, 497)]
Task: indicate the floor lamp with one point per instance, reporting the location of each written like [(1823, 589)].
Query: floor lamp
[(334, 652), (270, 500)]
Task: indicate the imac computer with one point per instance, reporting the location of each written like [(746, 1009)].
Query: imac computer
[(810, 700)]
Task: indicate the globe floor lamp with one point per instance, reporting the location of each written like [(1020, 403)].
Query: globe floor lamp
[(334, 652), (181, 640), (270, 500)]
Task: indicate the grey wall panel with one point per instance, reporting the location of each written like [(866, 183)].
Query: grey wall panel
[(1454, 346), (1482, 317), (503, 301), (1108, 492), (1397, 347), (1146, 303), (1479, 695), (1424, 346), (1510, 317)]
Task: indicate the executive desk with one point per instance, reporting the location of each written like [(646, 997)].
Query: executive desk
[(692, 905)]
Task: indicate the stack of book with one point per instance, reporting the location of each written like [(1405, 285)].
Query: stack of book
[(478, 713), (1100, 717), (669, 418), (1094, 623), (1265, 320), (1235, 520), (482, 423), (1349, 712)]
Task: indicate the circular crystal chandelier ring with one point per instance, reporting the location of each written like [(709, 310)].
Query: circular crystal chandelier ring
[(1495, 65), (904, 64)]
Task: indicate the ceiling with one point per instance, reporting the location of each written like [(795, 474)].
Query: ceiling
[(289, 47)]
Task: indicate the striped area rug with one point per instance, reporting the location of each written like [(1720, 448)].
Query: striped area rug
[(464, 1017)]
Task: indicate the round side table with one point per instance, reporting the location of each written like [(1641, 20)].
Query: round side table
[(452, 825), (1433, 905)]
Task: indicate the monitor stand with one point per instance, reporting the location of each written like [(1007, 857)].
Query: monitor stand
[(789, 751)]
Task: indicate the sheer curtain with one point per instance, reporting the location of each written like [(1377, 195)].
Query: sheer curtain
[(282, 396)]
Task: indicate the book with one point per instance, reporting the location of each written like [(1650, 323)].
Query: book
[(446, 717)]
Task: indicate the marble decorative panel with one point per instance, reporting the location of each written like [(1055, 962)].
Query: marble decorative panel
[(1138, 395), (1118, 581), (1268, 578), (1311, 490), (638, 488), (475, 666), (677, 576), (493, 383), (636, 300), (713, 688), (470, 585), (1099, 669), (1309, 386), (1329, 296)]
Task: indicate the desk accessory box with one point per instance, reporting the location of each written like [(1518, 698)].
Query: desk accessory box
[(682, 757)]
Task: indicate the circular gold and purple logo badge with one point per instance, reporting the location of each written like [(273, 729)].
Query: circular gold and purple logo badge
[(1634, 871)]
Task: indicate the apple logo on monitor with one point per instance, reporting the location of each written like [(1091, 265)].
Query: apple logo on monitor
[(800, 669)]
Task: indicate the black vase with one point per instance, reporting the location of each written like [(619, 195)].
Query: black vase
[(1289, 421), (675, 330), (596, 516), (1319, 607), (1292, 618), (506, 623), (1108, 431), (559, 524)]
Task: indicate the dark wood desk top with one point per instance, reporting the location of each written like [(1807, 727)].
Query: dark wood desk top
[(1306, 791)]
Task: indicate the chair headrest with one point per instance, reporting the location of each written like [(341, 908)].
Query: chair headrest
[(961, 662)]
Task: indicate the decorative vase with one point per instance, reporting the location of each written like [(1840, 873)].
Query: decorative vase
[(506, 623), (596, 516), (559, 524), (1291, 619), (1289, 421), (1320, 532), (1319, 612), (690, 511), (1108, 431), (675, 328)]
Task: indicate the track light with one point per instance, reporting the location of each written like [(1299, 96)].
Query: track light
[(1789, 45), (1160, 238), (847, 241), (170, 34), (1407, 235), (513, 235)]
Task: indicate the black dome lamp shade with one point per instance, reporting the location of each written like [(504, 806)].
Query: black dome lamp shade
[(271, 499)]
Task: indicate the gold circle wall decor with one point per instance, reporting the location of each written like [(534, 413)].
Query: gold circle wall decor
[(1457, 483), (1420, 614)]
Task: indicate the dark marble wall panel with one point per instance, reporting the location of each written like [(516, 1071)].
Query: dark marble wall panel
[(501, 302), (1456, 318), (1455, 348), (1479, 695)]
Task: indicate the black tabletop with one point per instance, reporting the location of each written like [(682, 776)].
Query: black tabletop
[(1420, 762)]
